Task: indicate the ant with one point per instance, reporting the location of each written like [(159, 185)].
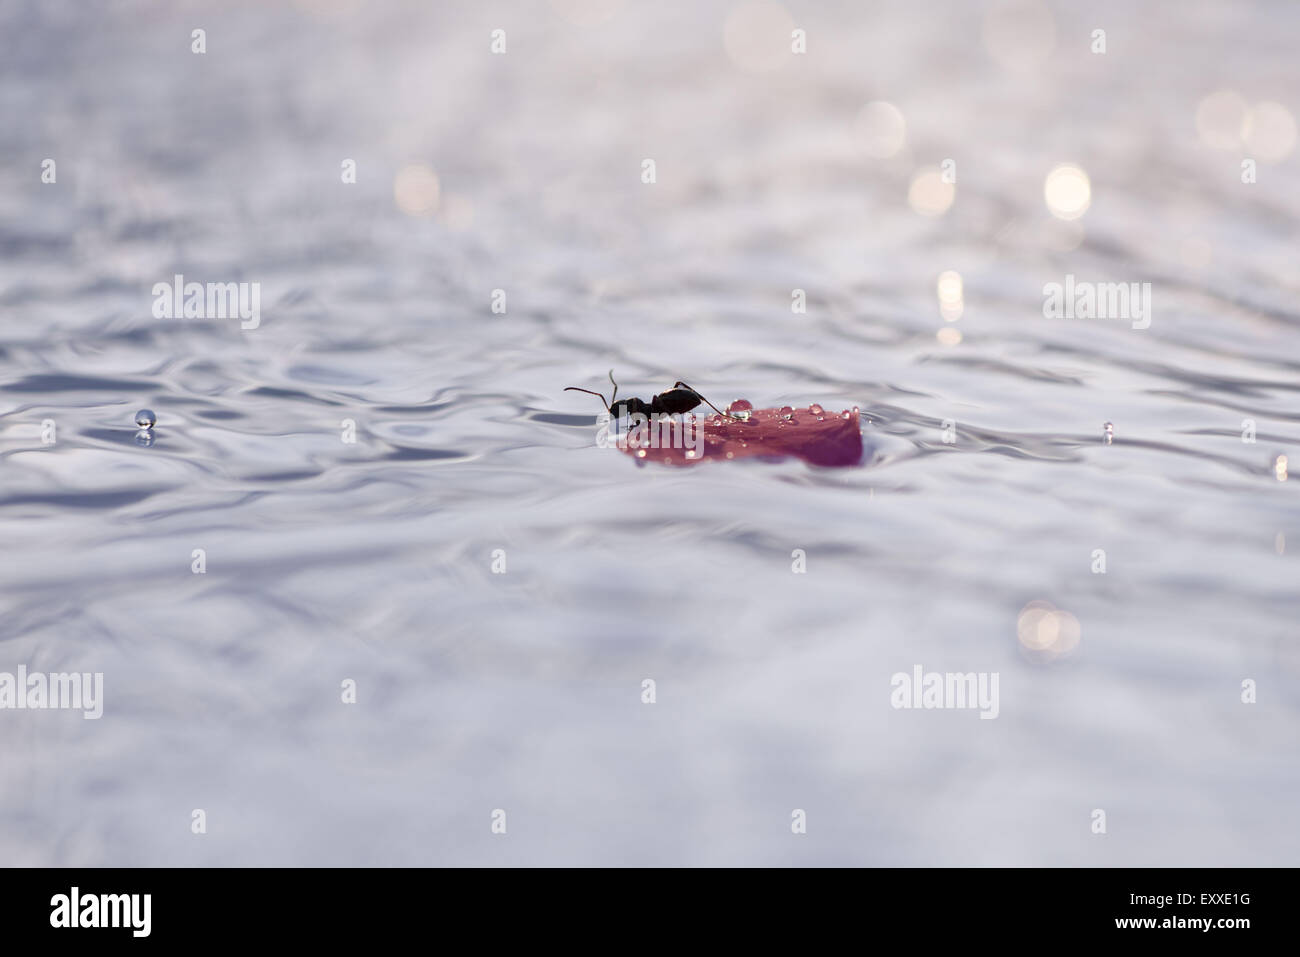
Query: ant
[(680, 398)]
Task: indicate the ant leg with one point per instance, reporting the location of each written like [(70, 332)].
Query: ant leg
[(706, 401)]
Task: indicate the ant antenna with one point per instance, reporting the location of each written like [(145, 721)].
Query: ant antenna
[(706, 401), (574, 388)]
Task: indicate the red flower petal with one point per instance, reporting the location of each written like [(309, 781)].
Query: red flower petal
[(818, 437)]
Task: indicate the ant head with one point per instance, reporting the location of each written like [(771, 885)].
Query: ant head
[(624, 408)]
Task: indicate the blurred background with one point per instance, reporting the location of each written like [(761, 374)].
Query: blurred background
[(921, 171)]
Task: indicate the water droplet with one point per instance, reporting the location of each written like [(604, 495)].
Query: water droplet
[(816, 409), (1110, 432), (786, 412), (716, 420), (640, 453), (145, 418), (1279, 468), (144, 438), (741, 409), (731, 455), (690, 453), (846, 414)]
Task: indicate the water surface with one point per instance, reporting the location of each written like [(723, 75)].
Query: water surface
[(373, 561)]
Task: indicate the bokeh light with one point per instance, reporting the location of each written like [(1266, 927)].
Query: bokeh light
[(881, 129), (1269, 131), (1220, 118), (416, 190), (949, 290), (1047, 631), (928, 194), (1068, 191)]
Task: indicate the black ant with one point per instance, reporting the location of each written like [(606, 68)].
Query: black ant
[(680, 398)]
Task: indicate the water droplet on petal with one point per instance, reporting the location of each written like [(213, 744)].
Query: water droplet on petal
[(145, 418), (640, 453), (741, 409), (816, 409), (846, 414), (786, 411), (690, 453)]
